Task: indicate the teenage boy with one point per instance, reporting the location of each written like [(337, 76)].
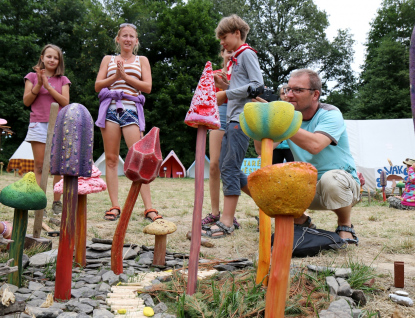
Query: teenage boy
[(246, 83)]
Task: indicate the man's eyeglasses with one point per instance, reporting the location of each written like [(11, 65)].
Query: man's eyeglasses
[(296, 90), (128, 24)]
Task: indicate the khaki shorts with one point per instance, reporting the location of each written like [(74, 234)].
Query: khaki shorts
[(336, 189)]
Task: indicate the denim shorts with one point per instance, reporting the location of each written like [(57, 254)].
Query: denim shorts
[(222, 116), (234, 146), (37, 132), (124, 118)]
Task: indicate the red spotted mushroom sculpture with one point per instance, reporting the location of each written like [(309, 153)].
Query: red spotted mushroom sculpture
[(86, 186), (282, 191), (71, 156), (268, 122), (142, 165), (203, 115)]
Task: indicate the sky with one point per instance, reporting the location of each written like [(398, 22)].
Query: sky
[(355, 15)]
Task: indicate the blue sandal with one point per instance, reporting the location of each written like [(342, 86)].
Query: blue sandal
[(222, 228), (349, 229)]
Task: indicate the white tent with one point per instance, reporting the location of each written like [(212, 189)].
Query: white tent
[(191, 170), (373, 142), (23, 152), (100, 164)]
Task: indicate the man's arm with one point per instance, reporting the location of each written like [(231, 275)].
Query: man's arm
[(312, 142)]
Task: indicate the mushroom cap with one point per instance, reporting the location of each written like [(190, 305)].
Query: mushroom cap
[(400, 184), (86, 185), (24, 194), (160, 227), (392, 177)]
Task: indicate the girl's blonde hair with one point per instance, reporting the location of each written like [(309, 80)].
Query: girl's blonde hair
[(117, 45), (60, 70)]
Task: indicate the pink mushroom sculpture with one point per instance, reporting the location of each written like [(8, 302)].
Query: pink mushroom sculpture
[(86, 186)]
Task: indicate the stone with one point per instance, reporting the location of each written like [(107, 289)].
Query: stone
[(100, 247), (35, 286), (172, 263), (39, 294), (22, 290), (343, 272), (145, 261), (41, 259), (344, 289), (357, 313), (349, 300), (90, 302), (337, 309), (12, 288), (103, 241), (68, 315), (160, 308), (102, 313), (23, 296), (359, 298), (401, 293), (25, 261), (164, 315), (401, 300), (223, 267), (148, 301), (35, 302), (129, 253), (44, 312), (17, 306), (83, 292), (91, 279), (155, 282), (79, 284), (332, 284), (148, 255), (123, 278), (104, 287), (97, 254)]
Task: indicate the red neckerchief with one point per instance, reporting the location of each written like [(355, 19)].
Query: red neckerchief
[(234, 60)]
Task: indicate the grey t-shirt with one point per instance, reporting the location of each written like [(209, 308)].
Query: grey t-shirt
[(244, 74)]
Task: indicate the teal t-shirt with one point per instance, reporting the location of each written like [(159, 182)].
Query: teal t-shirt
[(283, 145), (329, 121)]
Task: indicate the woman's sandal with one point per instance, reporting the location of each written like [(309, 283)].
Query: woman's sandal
[(221, 228), (146, 212), (210, 219), (308, 223), (112, 216), (349, 229)]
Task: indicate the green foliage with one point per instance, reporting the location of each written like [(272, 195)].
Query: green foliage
[(384, 88)]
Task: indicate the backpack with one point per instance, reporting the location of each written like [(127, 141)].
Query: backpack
[(309, 242)]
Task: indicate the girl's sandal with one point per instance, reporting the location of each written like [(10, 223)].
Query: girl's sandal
[(222, 228), (112, 216), (146, 212), (7, 232)]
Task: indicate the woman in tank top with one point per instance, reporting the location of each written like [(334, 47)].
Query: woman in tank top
[(120, 81)]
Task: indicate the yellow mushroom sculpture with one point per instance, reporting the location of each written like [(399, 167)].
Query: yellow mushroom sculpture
[(268, 122)]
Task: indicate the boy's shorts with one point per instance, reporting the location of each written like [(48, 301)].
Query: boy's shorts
[(37, 132), (336, 189), (125, 118), (234, 146), (222, 116)]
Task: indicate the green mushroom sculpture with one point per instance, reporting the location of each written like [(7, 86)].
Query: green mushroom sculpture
[(23, 195)]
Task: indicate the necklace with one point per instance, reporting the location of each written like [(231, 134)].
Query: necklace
[(125, 60)]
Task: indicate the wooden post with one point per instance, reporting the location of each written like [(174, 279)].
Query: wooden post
[(66, 239), (119, 235), (197, 210), (16, 247), (54, 109), (80, 231)]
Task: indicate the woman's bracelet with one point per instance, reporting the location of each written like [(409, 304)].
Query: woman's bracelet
[(32, 92), (5, 227)]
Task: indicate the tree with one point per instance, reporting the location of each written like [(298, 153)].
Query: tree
[(384, 88)]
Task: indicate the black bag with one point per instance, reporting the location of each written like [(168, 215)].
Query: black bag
[(309, 242)]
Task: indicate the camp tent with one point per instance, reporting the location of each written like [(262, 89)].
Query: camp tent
[(100, 164), (191, 170), (373, 142), (171, 167), (23, 152)]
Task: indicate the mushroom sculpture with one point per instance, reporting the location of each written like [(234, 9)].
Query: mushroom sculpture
[(412, 73), (71, 156), (268, 122), (383, 183), (282, 191), (160, 229), (203, 114), (142, 165), (394, 178), (23, 195), (86, 186)]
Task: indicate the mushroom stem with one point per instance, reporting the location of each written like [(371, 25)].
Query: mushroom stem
[(66, 239), (280, 266), (16, 247), (120, 231), (197, 210), (80, 231), (264, 256), (160, 250)]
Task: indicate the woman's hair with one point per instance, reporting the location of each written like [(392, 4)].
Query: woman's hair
[(60, 70), (122, 26), (230, 25)]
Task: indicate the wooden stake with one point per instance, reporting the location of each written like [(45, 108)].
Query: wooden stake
[(54, 109), (197, 210), (121, 230), (80, 231), (16, 248), (66, 239), (264, 257), (280, 267)]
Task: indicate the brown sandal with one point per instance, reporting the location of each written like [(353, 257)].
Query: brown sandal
[(112, 216), (146, 212)]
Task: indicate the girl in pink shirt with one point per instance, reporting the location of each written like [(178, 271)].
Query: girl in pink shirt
[(42, 88)]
